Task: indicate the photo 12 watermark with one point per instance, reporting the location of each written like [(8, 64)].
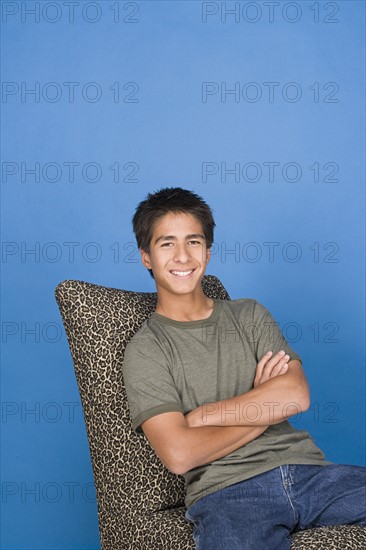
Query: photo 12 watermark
[(70, 11), (316, 332), (269, 92), (69, 171), (266, 172), (47, 492), (13, 92), (36, 412), (252, 412), (270, 12), (34, 332)]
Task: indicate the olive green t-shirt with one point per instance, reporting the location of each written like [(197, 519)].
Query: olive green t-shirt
[(179, 365)]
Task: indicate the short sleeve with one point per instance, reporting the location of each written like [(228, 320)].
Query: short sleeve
[(149, 384), (267, 335)]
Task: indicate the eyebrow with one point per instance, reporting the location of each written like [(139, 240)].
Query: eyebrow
[(173, 238)]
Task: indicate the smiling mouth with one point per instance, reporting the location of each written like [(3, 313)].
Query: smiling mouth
[(182, 274)]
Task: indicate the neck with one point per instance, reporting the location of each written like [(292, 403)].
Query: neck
[(186, 307)]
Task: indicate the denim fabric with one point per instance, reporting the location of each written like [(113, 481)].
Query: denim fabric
[(260, 513)]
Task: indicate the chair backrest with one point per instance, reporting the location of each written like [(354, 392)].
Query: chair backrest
[(99, 321)]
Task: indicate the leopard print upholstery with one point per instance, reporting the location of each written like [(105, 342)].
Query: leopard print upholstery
[(337, 537), (140, 502)]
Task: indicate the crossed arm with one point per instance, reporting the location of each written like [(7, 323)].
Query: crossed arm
[(212, 431), (280, 391)]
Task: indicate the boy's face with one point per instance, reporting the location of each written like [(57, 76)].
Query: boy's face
[(178, 254)]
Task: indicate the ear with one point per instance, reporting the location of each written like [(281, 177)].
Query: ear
[(145, 258)]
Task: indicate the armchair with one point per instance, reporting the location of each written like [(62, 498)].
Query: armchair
[(140, 502)]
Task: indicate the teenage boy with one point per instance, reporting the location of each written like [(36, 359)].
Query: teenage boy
[(211, 384)]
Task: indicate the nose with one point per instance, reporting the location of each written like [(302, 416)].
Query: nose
[(181, 253)]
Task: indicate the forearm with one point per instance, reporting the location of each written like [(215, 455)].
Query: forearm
[(270, 403), (202, 444)]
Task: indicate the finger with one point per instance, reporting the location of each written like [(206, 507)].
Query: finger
[(265, 366), (279, 367), (265, 359), (261, 364), (270, 367), (274, 361)]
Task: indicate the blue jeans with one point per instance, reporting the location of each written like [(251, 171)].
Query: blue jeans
[(260, 513)]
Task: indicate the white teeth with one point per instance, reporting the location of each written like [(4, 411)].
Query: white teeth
[(182, 273)]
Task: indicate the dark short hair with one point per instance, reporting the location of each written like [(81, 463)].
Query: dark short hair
[(170, 199)]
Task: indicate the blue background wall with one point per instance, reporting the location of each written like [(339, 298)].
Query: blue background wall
[(133, 96)]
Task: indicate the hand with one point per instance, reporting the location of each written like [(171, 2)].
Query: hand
[(270, 367)]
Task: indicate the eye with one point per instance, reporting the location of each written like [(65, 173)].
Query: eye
[(195, 242), (166, 244)]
